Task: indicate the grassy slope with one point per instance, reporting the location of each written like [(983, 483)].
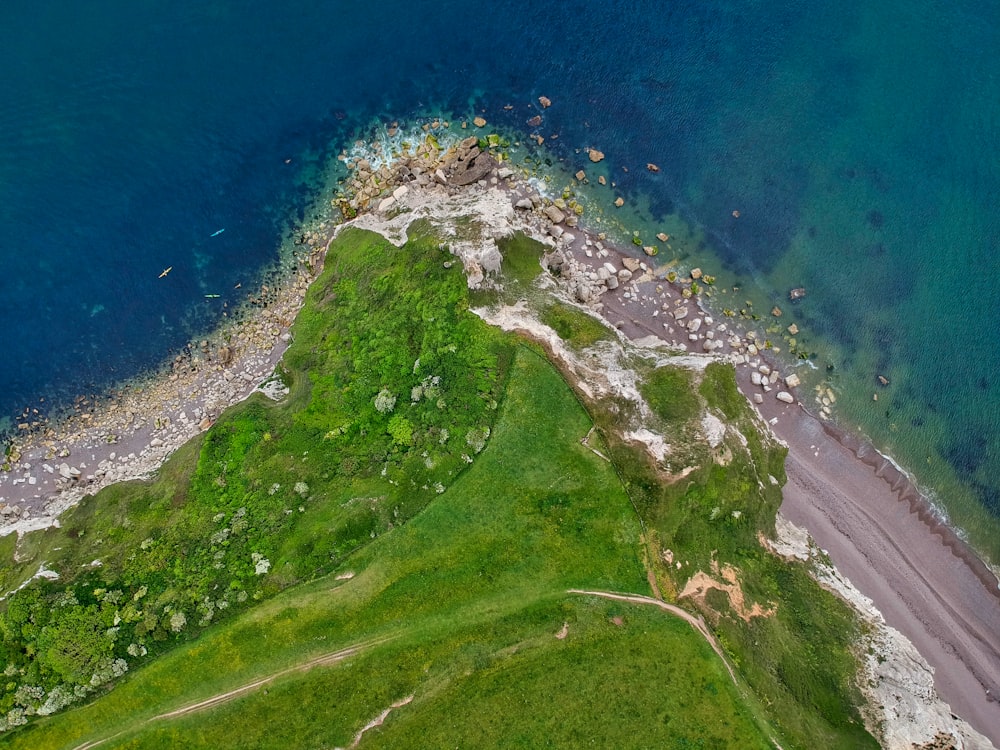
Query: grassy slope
[(472, 592), (800, 661)]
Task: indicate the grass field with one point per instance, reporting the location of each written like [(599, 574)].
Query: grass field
[(407, 522), (471, 594)]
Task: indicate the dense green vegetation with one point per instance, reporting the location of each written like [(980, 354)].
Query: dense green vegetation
[(423, 493), (575, 327), (394, 390)]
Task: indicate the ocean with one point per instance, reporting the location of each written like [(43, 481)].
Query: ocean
[(849, 149)]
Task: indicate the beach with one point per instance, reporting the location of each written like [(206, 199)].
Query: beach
[(857, 506)]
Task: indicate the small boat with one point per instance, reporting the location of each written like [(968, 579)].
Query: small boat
[(166, 270), (211, 296), (216, 234)]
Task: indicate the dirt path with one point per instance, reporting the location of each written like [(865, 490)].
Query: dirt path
[(695, 622), (318, 661)]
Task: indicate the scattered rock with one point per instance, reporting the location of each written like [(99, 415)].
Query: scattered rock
[(632, 264), (554, 214), (797, 293), (696, 273), (652, 167), (793, 329), (792, 381), (595, 155), (479, 122), (662, 237), (619, 202), (883, 380), (545, 102), (535, 121), (776, 311), (524, 204), (602, 180), (581, 175)]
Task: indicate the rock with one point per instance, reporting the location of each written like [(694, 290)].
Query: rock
[(695, 325), (797, 293), (662, 237), (68, 472), (793, 329), (785, 397), (612, 282), (505, 173), (555, 215), (756, 378), (386, 204), (650, 250), (619, 202), (680, 313), (758, 398), (883, 380), (400, 192), (652, 167), (602, 180), (624, 275), (225, 355), (535, 121), (479, 122), (524, 204), (545, 102), (776, 311), (555, 230), (473, 171), (595, 155), (696, 273), (632, 264), (581, 175), (439, 175), (792, 381)]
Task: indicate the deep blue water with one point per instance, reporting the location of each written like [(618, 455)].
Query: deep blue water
[(858, 142)]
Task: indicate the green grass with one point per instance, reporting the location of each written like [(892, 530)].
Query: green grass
[(670, 393), (521, 258), (472, 593), (574, 326)]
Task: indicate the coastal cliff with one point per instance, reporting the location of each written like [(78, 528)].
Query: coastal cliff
[(401, 416)]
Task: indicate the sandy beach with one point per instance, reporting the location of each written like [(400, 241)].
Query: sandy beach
[(855, 503)]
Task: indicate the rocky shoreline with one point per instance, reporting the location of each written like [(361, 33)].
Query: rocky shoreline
[(385, 192), (129, 436)]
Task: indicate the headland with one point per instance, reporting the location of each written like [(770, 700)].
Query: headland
[(859, 507)]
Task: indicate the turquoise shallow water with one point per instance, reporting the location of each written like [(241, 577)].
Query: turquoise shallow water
[(857, 142)]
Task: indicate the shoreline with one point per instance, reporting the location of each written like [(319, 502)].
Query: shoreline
[(131, 436), (856, 503)]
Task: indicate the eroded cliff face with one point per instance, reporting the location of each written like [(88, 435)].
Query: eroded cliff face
[(905, 711)]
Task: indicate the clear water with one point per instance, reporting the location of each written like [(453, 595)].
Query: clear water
[(858, 143)]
